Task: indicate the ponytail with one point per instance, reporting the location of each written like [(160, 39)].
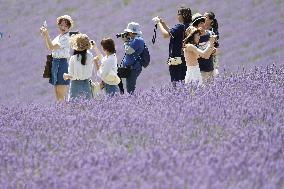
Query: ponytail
[(83, 55)]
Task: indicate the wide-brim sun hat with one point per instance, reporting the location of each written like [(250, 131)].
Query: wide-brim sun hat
[(80, 42), (133, 27), (190, 31), (66, 17), (197, 17)]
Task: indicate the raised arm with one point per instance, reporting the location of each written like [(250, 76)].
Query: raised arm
[(206, 53), (97, 51), (47, 40), (202, 53), (163, 27)]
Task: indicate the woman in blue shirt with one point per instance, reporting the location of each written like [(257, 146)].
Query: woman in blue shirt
[(177, 65)]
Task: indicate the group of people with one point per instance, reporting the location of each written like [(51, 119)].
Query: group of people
[(193, 47), (193, 56)]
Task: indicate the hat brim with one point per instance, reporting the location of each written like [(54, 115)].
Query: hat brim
[(198, 19), (131, 31)]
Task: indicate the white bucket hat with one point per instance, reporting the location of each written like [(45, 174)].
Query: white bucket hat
[(133, 27)]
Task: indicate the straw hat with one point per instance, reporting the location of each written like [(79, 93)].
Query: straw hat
[(66, 17), (80, 42), (190, 30)]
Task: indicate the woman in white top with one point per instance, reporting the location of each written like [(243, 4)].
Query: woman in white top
[(60, 49), (192, 53), (80, 67), (107, 70)]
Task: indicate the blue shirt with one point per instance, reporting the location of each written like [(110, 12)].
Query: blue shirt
[(205, 65), (133, 50), (177, 35)]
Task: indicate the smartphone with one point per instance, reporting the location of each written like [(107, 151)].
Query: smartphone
[(44, 24)]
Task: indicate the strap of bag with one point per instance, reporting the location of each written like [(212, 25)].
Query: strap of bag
[(120, 65)]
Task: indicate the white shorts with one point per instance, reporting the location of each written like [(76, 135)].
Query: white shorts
[(193, 74)]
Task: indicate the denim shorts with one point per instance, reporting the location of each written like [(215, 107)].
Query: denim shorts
[(58, 68), (111, 89), (80, 88)]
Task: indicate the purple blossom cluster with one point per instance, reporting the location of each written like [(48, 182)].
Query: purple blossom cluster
[(251, 33), (228, 134)]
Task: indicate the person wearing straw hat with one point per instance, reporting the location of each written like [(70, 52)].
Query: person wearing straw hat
[(192, 53), (133, 47), (60, 49), (107, 70), (205, 63), (80, 67)]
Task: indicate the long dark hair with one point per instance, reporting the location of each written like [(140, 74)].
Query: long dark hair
[(214, 23), (83, 55), (186, 14), (190, 39)]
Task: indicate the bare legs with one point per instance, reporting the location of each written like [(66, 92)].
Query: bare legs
[(61, 92)]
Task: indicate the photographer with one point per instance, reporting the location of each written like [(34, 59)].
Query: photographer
[(211, 24), (205, 63), (60, 49), (133, 47), (176, 62), (192, 53)]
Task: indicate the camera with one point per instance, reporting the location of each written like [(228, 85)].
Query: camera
[(73, 33), (122, 35)]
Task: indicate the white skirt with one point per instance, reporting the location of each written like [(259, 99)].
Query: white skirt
[(193, 74)]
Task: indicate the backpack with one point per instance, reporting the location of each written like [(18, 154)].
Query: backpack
[(145, 57)]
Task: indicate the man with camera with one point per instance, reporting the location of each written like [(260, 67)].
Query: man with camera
[(133, 47)]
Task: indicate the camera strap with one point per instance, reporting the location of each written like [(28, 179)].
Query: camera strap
[(155, 34)]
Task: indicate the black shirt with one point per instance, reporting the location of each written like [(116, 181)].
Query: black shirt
[(205, 65)]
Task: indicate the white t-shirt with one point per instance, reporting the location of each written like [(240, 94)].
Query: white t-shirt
[(64, 42), (79, 71), (108, 70)]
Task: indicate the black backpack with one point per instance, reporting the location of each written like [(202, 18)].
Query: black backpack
[(145, 57)]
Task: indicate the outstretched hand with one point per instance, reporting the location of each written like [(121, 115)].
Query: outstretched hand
[(44, 31), (156, 19)]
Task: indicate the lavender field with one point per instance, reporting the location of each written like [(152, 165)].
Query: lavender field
[(228, 134)]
